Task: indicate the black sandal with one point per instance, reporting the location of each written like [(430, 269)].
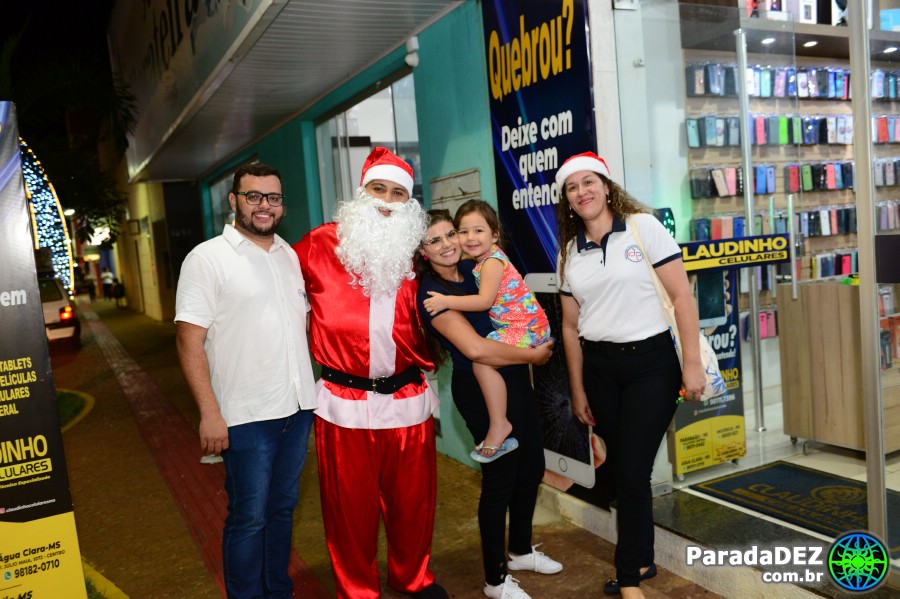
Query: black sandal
[(612, 584)]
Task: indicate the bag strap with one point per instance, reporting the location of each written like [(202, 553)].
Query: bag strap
[(665, 300)]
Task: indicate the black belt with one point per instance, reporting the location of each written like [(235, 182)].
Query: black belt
[(385, 385), (611, 348)]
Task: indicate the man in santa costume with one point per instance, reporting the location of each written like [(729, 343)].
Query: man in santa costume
[(374, 430)]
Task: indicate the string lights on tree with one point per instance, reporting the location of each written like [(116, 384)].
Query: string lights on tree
[(48, 224)]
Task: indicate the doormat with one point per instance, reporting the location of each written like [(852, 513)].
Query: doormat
[(818, 501)]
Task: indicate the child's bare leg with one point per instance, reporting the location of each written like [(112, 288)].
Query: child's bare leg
[(493, 387)]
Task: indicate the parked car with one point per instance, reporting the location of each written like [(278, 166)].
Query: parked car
[(60, 320)]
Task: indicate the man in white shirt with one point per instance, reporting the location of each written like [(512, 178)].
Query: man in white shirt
[(241, 334)]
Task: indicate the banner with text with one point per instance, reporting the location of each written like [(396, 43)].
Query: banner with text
[(712, 432), (39, 554), (542, 112)]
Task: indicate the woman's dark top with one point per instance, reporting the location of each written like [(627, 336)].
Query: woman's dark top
[(480, 321)]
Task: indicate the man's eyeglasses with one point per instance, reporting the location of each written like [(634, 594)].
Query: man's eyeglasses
[(433, 241), (255, 198)]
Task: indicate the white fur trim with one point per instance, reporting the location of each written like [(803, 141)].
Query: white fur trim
[(389, 172), (377, 411), (575, 165)]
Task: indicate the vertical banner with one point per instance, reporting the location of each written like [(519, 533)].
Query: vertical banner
[(539, 81), (713, 431), (39, 554)]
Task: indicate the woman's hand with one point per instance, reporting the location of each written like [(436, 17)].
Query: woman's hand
[(436, 303), (542, 353), (581, 409), (693, 380)]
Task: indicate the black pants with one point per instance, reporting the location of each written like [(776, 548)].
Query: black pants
[(632, 395), (511, 481)]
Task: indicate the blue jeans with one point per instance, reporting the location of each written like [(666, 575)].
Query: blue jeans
[(262, 478)]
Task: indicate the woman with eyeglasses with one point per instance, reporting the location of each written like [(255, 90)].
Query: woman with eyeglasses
[(509, 484), (517, 316)]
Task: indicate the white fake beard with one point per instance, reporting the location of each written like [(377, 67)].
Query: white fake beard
[(377, 250)]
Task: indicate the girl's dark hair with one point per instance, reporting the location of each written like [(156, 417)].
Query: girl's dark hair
[(423, 269), (620, 202), (487, 212)]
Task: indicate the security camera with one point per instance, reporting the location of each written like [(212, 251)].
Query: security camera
[(412, 59)]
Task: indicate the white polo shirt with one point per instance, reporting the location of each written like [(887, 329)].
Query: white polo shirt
[(612, 284), (253, 305)]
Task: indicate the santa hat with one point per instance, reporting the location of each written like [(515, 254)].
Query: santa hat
[(382, 164), (588, 161)]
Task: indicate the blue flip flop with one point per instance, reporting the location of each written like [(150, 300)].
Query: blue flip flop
[(509, 444)]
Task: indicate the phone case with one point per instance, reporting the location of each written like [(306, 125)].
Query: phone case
[(771, 327), (701, 229), (760, 130), (715, 228), (729, 80), (709, 131), (804, 224), (720, 132), (830, 83), (734, 131), (806, 180), (780, 83), (826, 83), (772, 130), (759, 180), (727, 227), (713, 79), (693, 134), (803, 83), (814, 91), (829, 176), (738, 226), (838, 176), (770, 179), (882, 128), (796, 130), (763, 325), (840, 83), (831, 124), (824, 222), (783, 137), (792, 178), (847, 174), (877, 83), (765, 83), (731, 180), (791, 77), (718, 177)]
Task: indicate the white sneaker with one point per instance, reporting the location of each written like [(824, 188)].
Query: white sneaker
[(510, 589), (534, 561)]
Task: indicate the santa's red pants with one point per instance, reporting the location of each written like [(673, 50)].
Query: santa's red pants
[(366, 474)]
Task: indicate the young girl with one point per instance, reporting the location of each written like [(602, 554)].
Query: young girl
[(517, 317)]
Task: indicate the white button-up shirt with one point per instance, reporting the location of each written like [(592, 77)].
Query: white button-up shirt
[(253, 305)]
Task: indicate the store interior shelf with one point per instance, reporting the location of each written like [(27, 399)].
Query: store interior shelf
[(716, 31)]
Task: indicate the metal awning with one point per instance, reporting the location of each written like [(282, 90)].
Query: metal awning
[(200, 104)]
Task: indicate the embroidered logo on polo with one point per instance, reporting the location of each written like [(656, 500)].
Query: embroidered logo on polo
[(633, 253)]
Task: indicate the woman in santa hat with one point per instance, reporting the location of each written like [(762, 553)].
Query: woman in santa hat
[(624, 373)]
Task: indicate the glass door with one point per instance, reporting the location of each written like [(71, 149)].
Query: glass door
[(386, 118)]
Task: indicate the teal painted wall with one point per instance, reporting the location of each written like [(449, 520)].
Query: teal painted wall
[(452, 100)]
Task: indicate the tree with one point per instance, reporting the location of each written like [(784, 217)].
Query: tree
[(69, 103)]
